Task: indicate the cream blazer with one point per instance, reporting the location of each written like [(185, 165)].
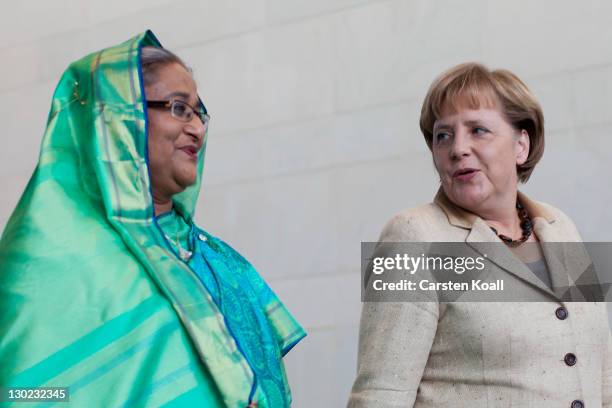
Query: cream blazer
[(483, 354)]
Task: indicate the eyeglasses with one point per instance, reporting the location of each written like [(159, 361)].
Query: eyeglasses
[(181, 110)]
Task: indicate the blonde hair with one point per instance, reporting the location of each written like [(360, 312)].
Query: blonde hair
[(472, 84)]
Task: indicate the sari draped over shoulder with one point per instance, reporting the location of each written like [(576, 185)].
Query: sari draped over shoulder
[(93, 294)]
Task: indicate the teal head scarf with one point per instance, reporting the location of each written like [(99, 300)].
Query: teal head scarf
[(92, 295)]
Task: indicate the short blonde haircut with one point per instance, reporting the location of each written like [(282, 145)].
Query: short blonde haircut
[(472, 84)]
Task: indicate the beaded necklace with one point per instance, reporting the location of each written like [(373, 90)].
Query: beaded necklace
[(526, 226)]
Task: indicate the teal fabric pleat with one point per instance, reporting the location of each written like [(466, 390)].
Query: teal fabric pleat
[(241, 295)]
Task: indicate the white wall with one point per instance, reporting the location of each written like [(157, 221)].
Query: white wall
[(314, 141)]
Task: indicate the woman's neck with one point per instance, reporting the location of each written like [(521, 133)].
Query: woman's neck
[(510, 226), (504, 218), (161, 205)]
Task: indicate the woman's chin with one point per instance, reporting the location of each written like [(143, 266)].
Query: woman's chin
[(466, 196), (187, 176), (185, 182)]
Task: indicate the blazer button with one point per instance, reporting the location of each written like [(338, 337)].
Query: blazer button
[(561, 313), (577, 404), (570, 360)]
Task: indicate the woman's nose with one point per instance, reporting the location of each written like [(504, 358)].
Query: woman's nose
[(461, 145), (196, 128)]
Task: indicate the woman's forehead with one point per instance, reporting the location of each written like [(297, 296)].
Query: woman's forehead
[(173, 81), (468, 108), (467, 101)]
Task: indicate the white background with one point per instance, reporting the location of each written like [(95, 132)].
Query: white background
[(314, 141)]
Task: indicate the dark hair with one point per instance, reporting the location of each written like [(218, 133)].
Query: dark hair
[(154, 57)]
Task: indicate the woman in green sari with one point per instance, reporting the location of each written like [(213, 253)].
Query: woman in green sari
[(107, 287)]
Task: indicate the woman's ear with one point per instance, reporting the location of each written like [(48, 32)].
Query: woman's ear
[(522, 147)]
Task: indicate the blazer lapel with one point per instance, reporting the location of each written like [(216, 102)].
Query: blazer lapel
[(480, 238), (554, 258), (484, 241), (570, 266)]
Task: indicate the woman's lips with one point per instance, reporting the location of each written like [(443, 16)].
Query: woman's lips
[(190, 151), (465, 175)]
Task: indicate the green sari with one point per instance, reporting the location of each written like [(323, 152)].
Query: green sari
[(93, 296)]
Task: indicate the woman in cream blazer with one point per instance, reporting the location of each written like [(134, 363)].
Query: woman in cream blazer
[(543, 353)]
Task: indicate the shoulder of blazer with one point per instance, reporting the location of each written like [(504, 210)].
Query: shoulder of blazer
[(414, 224), (557, 220), (434, 221)]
